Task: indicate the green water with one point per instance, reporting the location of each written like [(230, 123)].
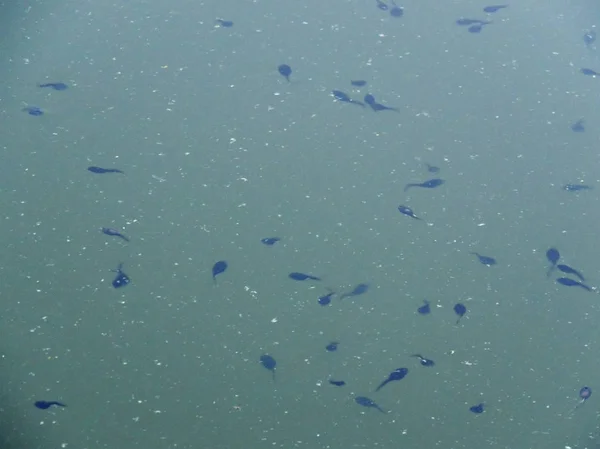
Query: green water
[(220, 151)]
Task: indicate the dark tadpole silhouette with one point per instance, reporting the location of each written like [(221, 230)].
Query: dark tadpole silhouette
[(553, 256), (269, 363), (584, 394), (303, 277), (224, 23), (285, 71), (425, 309), (44, 405), (568, 270), (396, 11), (114, 233), (121, 279), (360, 289), (468, 22), (405, 210), (345, 98), (485, 260), (218, 268), (332, 347), (325, 300), (589, 72), (578, 126), (460, 310), (100, 170), (477, 409), (423, 361), (429, 184), (367, 402), (572, 283), (397, 374), (55, 86), (370, 100), (269, 241), (33, 110), (476, 29), (589, 38), (494, 8), (432, 168), (381, 5), (576, 187)]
